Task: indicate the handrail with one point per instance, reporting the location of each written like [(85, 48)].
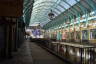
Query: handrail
[(74, 45)]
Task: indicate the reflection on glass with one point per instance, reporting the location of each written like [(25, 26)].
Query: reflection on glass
[(93, 34), (67, 34), (77, 34), (85, 34), (72, 35)]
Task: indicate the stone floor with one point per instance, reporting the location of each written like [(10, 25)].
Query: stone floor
[(30, 53), (41, 56), (23, 56)]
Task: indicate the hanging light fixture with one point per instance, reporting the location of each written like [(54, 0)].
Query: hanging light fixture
[(51, 15), (67, 22)]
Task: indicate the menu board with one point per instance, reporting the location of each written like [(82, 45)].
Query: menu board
[(11, 8)]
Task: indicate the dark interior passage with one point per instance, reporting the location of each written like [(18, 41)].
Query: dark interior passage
[(23, 56)]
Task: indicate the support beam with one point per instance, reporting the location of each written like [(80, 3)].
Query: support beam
[(92, 4), (76, 11)]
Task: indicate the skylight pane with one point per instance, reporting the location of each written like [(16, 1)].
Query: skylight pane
[(39, 1), (44, 4), (65, 5), (56, 11), (56, 14), (71, 2), (41, 9), (78, 0), (60, 8)]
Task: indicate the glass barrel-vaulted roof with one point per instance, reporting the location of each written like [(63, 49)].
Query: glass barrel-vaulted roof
[(80, 9), (27, 10), (41, 8)]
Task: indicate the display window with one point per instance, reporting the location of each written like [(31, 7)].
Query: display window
[(93, 34), (64, 35), (72, 35), (85, 35), (59, 35), (54, 36), (50, 35), (67, 35), (78, 34)]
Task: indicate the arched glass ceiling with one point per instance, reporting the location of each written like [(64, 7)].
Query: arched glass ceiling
[(41, 8), (27, 10), (80, 9)]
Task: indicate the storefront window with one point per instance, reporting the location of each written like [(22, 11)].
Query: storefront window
[(59, 36), (93, 34), (54, 36), (85, 34), (72, 35), (67, 33), (78, 35)]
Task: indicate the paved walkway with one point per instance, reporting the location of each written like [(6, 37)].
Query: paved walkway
[(23, 56), (30, 53), (41, 56)]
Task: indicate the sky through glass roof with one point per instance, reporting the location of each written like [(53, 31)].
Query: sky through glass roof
[(41, 8)]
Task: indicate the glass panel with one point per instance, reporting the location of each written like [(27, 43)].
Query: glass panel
[(71, 2), (78, 0), (57, 11), (77, 34), (93, 34), (59, 36), (40, 6), (60, 8), (67, 33), (65, 5), (85, 35), (72, 35)]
